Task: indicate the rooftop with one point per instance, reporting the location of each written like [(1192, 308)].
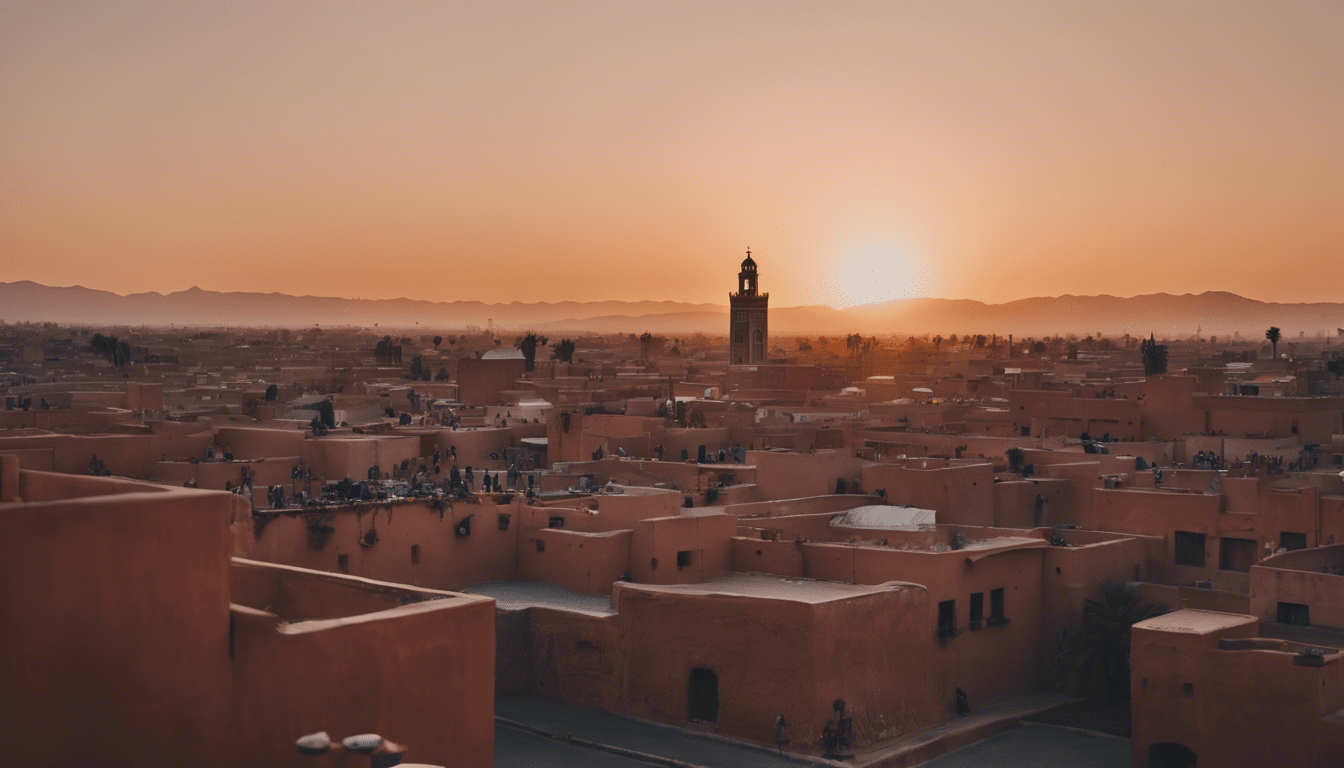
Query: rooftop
[(768, 587), (1195, 622), (517, 595)]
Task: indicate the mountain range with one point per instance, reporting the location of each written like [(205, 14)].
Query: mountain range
[(1209, 313)]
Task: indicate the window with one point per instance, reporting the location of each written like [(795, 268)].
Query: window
[(541, 545), (947, 618), (343, 563), (1294, 613), (683, 558), (504, 522), (977, 610), (1235, 554), (1188, 690), (415, 554), (556, 521), (1190, 549), (996, 611), (1290, 540)]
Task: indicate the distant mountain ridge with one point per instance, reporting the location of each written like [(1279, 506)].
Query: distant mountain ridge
[(1212, 313)]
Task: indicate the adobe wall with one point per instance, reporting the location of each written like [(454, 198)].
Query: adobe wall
[(1070, 575), (480, 382), (580, 562), (961, 494), (446, 561), (802, 659), (336, 675), (795, 475), (1278, 725), (1015, 502), (91, 582), (1196, 598), (989, 663), (1306, 577), (576, 658), (334, 458), (656, 542)]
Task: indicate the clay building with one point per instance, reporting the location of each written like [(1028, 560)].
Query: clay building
[(144, 642)]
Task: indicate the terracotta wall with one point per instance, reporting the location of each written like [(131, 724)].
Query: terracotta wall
[(91, 582), (578, 561), (802, 659), (1243, 707), (960, 493), (656, 543), (338, 675), (796, 475), (446, 560)]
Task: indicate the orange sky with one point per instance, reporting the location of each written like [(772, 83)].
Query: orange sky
[(533, 151)]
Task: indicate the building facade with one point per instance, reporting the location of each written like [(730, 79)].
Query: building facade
[(748, 332)]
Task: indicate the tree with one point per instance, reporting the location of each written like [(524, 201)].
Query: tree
[(1273, 334), (1154, 357), (437, 341), (387, 352), (563, 351), (528, 344), (937, 343), (1101, 647), (272, 392)]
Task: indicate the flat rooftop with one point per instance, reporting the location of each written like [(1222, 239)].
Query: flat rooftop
[(769, 587), (517, 595), (1195, 622)]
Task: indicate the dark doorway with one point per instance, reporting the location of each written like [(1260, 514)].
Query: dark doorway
[(1169, 754), (702, 698)]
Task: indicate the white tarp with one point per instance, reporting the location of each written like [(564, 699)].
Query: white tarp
[(886, 517)]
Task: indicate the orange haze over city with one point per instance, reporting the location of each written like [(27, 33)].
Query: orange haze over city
[(586, 151)]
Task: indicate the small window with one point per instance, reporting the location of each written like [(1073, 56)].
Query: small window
[(1290, 540), (343, 563), (1188, 690), (1295, 614), (1235, 554), (541, 545), (1190, 549), (977, 610), (556, 521), (683, 558), (947, 618), (415, 554), (997, 618), (504, 522)]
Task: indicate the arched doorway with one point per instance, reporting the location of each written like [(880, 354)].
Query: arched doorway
[(1170, 754), (702, 697)]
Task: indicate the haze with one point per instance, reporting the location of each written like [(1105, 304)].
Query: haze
[(529, 151)]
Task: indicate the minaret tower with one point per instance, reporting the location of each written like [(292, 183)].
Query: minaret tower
[(748, 332)]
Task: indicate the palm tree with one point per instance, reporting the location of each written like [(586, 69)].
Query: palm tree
[(1273, 335), (1101, 647), (1154, 357)]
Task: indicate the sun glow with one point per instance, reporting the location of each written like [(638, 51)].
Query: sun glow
[(875, 272)]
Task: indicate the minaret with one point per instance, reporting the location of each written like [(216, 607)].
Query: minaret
[(748, 331)]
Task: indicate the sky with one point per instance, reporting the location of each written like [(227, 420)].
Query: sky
[(539, 151)]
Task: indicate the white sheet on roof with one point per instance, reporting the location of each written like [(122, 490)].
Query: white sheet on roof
[(886, 517)]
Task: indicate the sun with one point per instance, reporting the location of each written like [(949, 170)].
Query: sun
[(874, 272)]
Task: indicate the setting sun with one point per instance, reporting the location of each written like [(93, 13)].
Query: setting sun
[(875, 272)]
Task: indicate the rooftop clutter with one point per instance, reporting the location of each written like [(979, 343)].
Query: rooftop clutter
[(913, 527)]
